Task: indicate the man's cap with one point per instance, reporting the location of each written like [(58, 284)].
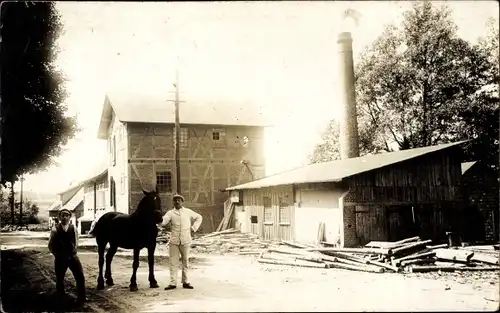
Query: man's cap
[(178, 196), (64, 210)]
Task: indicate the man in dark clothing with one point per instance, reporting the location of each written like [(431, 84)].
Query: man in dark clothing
[(63, 243)]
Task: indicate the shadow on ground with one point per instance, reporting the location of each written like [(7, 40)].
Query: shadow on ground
[(26, 288)]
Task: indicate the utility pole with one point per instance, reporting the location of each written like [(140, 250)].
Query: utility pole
[(21, 203), (177, 135)]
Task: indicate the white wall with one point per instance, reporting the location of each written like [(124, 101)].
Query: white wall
[(314, 207), (242, 219)]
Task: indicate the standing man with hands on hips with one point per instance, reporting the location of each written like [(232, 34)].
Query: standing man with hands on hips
[(180, 219)]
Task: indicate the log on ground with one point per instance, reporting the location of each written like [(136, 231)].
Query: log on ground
[(291, 263), (425, 269), (454, 255)]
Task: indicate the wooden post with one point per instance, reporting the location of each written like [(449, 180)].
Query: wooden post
[(177, 135)]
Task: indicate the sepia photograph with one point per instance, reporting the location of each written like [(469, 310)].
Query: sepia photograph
[(249, 156)]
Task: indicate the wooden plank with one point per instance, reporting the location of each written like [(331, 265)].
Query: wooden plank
[(382, 244), (410, 246)]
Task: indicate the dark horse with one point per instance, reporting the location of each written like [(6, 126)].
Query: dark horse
[(135, 231)]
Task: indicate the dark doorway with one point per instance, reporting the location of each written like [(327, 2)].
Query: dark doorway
[(402, 222)]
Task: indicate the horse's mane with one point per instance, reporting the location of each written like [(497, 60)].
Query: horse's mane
[(142, 206)]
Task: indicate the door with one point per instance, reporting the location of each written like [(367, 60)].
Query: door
[(362, 224), (401, 222)]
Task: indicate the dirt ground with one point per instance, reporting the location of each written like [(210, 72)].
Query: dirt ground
[(234, 283)]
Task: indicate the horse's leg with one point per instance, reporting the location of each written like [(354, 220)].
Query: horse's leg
[(100, 280), (135, 266), (151, 262), (109, 258)]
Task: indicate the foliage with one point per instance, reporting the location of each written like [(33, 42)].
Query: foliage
[(30, 212), (34, 124), (419, 84)]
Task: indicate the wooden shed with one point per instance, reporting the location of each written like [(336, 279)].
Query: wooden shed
[(386, 196), (479, 189)]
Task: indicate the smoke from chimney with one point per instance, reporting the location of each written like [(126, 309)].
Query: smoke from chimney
[(349, 146)]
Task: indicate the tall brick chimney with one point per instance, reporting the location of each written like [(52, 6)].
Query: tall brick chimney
[(349, 145)]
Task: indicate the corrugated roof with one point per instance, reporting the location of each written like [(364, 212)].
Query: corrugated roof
[(149, 108), (467, 165), (337, 170)]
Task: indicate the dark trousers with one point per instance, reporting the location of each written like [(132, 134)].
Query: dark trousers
[(73, 263)]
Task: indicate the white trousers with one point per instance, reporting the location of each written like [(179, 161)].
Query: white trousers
[(174, 252)]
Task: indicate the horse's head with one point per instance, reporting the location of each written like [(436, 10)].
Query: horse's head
[(150, 206)]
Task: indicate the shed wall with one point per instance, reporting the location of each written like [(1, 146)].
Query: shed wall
[(390, 193), (318, 203)]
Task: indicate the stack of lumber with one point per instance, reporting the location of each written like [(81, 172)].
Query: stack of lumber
[(408, 255), (230, 240)]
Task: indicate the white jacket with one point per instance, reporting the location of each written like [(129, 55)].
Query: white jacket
[(180, 221)]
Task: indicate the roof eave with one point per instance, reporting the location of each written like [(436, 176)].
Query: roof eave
[(106, 116), (243, 187)]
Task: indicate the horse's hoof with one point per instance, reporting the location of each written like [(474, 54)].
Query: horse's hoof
[(100, 286), (133, 288), (153, 285), (110, 283)]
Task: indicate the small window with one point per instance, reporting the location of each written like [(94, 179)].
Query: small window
[(164, 181), (183, 137), (268, 210), (219, 138), (284, 217)]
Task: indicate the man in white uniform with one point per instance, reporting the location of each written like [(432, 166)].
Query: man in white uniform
[(180, 219)]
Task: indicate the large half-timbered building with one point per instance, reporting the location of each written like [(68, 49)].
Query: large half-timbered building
[(221, 145)]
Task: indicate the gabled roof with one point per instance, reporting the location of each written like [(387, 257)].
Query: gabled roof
[(467, 165), (96, 175), (55, 206), (335, 171), (75, 201), (148, 108)]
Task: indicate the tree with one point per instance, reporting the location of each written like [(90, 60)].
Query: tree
[(420, 85), (30, 212), (34, 125)]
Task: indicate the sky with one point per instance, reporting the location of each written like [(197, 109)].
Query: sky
[(279, 55)]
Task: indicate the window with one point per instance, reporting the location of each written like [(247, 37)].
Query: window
[(284, 216), (245, 141), (164, 181), (268, 211), (112, 193), (219, 137), (100, 199), (183, 137), (113, 151)]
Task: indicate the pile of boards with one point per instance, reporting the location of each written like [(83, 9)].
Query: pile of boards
[(230, 240), (408, 255)]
